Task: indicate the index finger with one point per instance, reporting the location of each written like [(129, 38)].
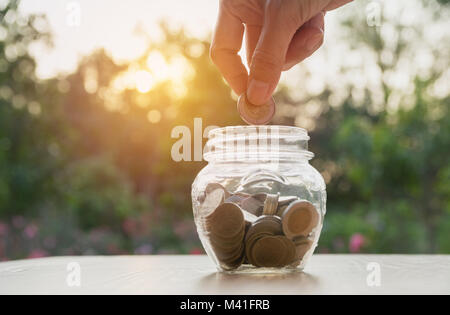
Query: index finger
[(336, 4), (225, 46)]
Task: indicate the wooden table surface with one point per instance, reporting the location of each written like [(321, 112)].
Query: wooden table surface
[(325, 274)]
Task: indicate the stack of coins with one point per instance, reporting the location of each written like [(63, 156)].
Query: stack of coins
[(265, 246), (273, 251), (226, 227), (261, 229)]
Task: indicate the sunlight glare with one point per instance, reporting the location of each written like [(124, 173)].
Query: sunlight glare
[(144, 81), (157, 64), (180, 70)]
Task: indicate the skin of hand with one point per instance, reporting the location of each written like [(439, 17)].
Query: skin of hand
[(279, 35)]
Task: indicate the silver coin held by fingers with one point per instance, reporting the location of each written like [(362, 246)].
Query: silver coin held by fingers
[(255, 114)]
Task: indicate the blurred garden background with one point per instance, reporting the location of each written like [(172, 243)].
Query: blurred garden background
[(85, 163)]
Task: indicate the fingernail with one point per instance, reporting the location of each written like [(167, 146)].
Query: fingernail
[(314, 41), (257, 92)]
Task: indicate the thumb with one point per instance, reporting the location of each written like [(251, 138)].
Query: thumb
[(268, 58)]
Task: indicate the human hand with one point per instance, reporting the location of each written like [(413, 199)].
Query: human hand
[(279, 35)]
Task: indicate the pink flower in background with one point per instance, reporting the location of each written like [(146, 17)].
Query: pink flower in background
[(357, 241), (37, 253), (31, 231), (196, 251)]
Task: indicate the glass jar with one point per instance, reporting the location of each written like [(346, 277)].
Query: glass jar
[(258, 204)]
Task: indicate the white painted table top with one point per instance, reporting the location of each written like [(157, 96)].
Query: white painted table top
[(325, 274)]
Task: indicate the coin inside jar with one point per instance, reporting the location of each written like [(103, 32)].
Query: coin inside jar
[(268, 251), (299, 219), (302, 246), (226, 228), (270, 204), (255, 114), (269, 224), (290, 253), (226, 221), (252, 205), (212, 200), (214, 186), (257, 228), (262, 227)]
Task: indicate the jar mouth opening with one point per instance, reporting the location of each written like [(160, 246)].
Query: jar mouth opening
[(282, 130), (257, 144)]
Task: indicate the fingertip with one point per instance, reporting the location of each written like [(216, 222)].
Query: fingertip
[(315, 41), (239, 83), (318, 21), (258, 92)]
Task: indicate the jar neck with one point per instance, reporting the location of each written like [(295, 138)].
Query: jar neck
[(258, 144)]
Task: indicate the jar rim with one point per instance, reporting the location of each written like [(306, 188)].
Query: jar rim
[(283, 130), (257, 143)]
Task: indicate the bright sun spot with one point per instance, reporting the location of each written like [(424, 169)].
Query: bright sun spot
[(180, 70), (144, 81), (176, 71), (157, 64)]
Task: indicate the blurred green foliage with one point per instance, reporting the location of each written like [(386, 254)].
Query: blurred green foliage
[(83, 171)]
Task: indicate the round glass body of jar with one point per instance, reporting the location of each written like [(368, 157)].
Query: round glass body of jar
[(258, 204)]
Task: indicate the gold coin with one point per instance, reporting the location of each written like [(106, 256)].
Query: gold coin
[(213, 186), (249, 217), (260, 196), (290, 253), (286, 200), (227, 221), (268, 252), (253, 114), (299, 219), (212, 200), (267, 224), (302, 245), (232, 265), (270, 204), (232, 256), (227, 242), (262, 227), (237, 199), (283, 203), (229, 254), (252, 205), (250, 242)]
